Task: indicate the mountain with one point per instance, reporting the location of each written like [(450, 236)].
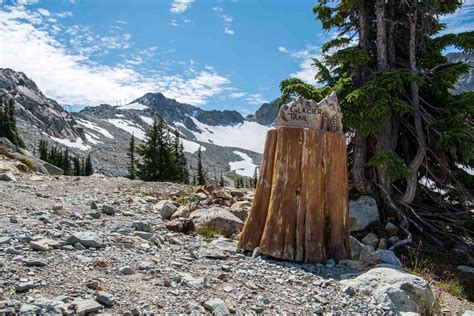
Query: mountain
[(230, 143), (266, 114), (466, 82), (36, 114)]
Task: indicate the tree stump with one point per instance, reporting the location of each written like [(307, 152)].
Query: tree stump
[(300, 210)]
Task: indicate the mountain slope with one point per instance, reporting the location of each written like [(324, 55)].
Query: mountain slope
[(466, 82)]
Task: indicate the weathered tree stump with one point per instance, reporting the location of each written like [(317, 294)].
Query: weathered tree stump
[(300, 210)]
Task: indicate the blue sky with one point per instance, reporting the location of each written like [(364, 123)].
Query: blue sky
[(228, 54)]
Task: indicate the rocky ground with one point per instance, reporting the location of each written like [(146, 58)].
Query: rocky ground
[(96, 244)]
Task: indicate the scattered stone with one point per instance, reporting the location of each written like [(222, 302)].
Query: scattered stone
[(371, 239), (95, 215), (94, 205), (217, 218), (5, 240), (7, 176), (108, 210), (24, 286), (143, 225), (384, 257), (86, 306), (256, 253), (180, 225), (39, 245), (126, 270), (29, 309), (145, 265), (87, 239), (34, 262), (363, 212), (165, 208), (93, 284), (217, 306), (394, 289), (220, 248), (58, 208), (104, 298), (13, 219), (359, 251)]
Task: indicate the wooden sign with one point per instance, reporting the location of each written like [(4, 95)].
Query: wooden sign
[(300, 211), (325, 115)]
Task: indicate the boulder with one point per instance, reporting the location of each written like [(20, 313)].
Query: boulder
[(86, 306), (165, 208), (363, 212), (217, 218), (108, 210), (382, 256), (87, 239), (180, 225), (241, 209), (395, 290), (360, 251), (217, 306)]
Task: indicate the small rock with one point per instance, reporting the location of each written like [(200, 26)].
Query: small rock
[(34, 262), (371, 239), (87, 239), (104, 298), (143, 225), (13, 219), (58, 208), (29, 309), (39, 245), (363, 212), (108, 210), (216, 306), (165, 208), (126, 270), (180, 225), (145, 265), (94, 205), (384, 257), (330, 263), (95, 215), (24, 286), (5, 240), (93, 284), (7, 176), (86, 306)]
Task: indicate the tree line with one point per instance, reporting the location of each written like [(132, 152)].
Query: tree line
[(72, 166)]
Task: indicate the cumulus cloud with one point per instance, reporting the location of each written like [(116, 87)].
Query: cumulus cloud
[(226, 19), (255, 99), (180, 6), (307, 70), (28, 45), (282, 49)]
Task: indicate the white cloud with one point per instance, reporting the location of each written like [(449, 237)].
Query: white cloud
[(255, 99), (237, 95), (227, 19), (180, 6), (44, 12), (228, 30), (303, 57), (72, 78), (282, 49), (307, 72)]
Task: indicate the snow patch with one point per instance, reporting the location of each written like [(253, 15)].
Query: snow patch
[(191, 147), (95, 127), (244, 167), (246, 135), (92, 138), (129, 127), (466, 169), (147, 120), (430, 184), (119, 115), (77, 144), (133, 106)]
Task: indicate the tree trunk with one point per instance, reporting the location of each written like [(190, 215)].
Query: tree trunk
[(300, 211), (381, 35), (412, 182)]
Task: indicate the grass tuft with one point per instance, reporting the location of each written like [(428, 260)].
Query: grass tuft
[(208, 232)]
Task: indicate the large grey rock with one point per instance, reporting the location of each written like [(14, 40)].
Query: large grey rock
[(86, 306), (363, 212), (371, 239), (394, 289), (87, 239), (382, 256), (108, 210), (165, 208), (219, 248), (218, 218), (143, 225)]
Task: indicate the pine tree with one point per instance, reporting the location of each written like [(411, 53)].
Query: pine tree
[(83, 167), (194, 179), (395, 87), (43, 150), (132, 164), (8, 127), (66, 163), (150, 168), (77, 167), (201, 177), (88, 168), (221, 181)]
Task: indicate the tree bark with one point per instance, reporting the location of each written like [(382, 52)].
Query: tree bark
[(412, 182), (300, 211), (381, 35)]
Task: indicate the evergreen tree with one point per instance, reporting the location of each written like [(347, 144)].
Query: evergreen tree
[(66, 163), (77, 166), (194, 179), (150, 168), (88, 168), (83, 167), (395, 87), (43, 150), (8, 127), (221, 181), (183, 173), (132, 164), (201, 177)]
